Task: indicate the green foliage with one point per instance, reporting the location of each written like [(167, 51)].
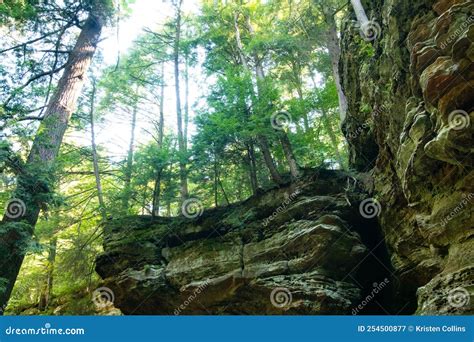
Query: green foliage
[(234, 111), (366, 48), (17, 10)]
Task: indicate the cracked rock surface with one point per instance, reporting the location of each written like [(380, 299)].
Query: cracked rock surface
[(410, 125), (290, 250)]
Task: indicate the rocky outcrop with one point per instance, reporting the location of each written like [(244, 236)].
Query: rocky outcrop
[(411, 127), (298, 249)]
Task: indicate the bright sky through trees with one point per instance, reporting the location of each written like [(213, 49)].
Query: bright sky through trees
[(111, 111), (146, 14)]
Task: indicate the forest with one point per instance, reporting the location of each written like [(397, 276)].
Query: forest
[(116, 114)]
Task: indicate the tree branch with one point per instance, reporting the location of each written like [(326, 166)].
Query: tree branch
[(36, 39)]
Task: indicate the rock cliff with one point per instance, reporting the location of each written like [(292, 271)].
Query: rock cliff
[(410, 126), (394, 237), (303, 248)]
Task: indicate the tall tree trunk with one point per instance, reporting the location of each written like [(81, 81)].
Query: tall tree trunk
[(289, 155), (95, 159), (222, 189), (263, 142), (327, 125), (186, 99), (216, 178), (261, 139), (157, 193), (144, 193), (181, 142), (283, 136), (252, 168), (335, 55), (332, 136), (359, 12), (131, 151), (162, 108), (240, 47), (15, 237), (299, 90), (47, 290), (159, 171), (267, 157)]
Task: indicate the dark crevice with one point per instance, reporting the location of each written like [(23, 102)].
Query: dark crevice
[(374, 274)]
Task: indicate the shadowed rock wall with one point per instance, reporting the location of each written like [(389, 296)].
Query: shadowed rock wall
[(410, 125)]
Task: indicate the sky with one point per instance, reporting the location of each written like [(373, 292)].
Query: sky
[(114, 132)]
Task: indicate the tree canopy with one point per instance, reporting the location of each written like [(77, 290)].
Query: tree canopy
[(213, 104)]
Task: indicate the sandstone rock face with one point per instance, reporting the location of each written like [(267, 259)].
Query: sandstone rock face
[(411, 127), (299, 249)]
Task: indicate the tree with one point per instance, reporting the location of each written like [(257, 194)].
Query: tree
[(159, 141), (95, 158), (332, 44), (257, 60), (179, 117), (35, 176), (260, 79)]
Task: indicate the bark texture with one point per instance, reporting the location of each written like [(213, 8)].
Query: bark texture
[(16, 230)]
